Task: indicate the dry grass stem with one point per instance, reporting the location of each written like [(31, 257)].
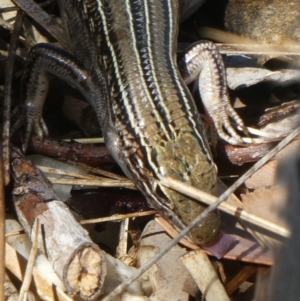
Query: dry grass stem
[(116, 217), (101, 182), (98, 171), (228, 208), (86, 140), (29, 269), (17, 264), (57, 171), (14, 233), (255, 49), (224, 37), (123, 239), (236, 44)]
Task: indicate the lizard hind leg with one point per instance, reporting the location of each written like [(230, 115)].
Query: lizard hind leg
[(42, 60)]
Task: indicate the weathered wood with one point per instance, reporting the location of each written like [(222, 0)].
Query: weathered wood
[(247, 271), (75, 258), (200, 267), (74, 151)]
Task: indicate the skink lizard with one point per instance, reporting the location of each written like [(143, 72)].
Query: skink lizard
[(124, 63)]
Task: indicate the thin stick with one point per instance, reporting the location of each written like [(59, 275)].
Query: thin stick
[(104, 182), (233, 43), (15, 233), (123, 239), (116, 217), (7, 94), (86, 140), (98, 170), (30, 264), (226, 207), (196, 221), (57, 171), (255, 49)]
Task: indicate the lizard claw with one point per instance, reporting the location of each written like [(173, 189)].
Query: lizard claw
[(34, 122), (204, 60), (221, 115)]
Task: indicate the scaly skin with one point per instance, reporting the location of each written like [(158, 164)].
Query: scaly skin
[(126, 68), (154, 129)]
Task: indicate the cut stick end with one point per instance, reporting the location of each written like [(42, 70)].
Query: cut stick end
[(86, 273)]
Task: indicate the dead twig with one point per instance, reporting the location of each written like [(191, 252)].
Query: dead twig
[(101, 182), (116, 217), (58, 171), (98, 171), (75, 258), (86, 140), (29, 269)]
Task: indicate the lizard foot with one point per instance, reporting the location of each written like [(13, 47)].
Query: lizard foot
[(221, 115), (34, 122)]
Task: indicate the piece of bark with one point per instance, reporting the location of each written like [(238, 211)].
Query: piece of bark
[(86, 153), (239, 155), (75, 258)]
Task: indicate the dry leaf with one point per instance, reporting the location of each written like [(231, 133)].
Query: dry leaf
[(266, 202), (265, 176)]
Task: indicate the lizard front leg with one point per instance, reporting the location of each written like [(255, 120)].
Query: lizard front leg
[(204, 61)]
